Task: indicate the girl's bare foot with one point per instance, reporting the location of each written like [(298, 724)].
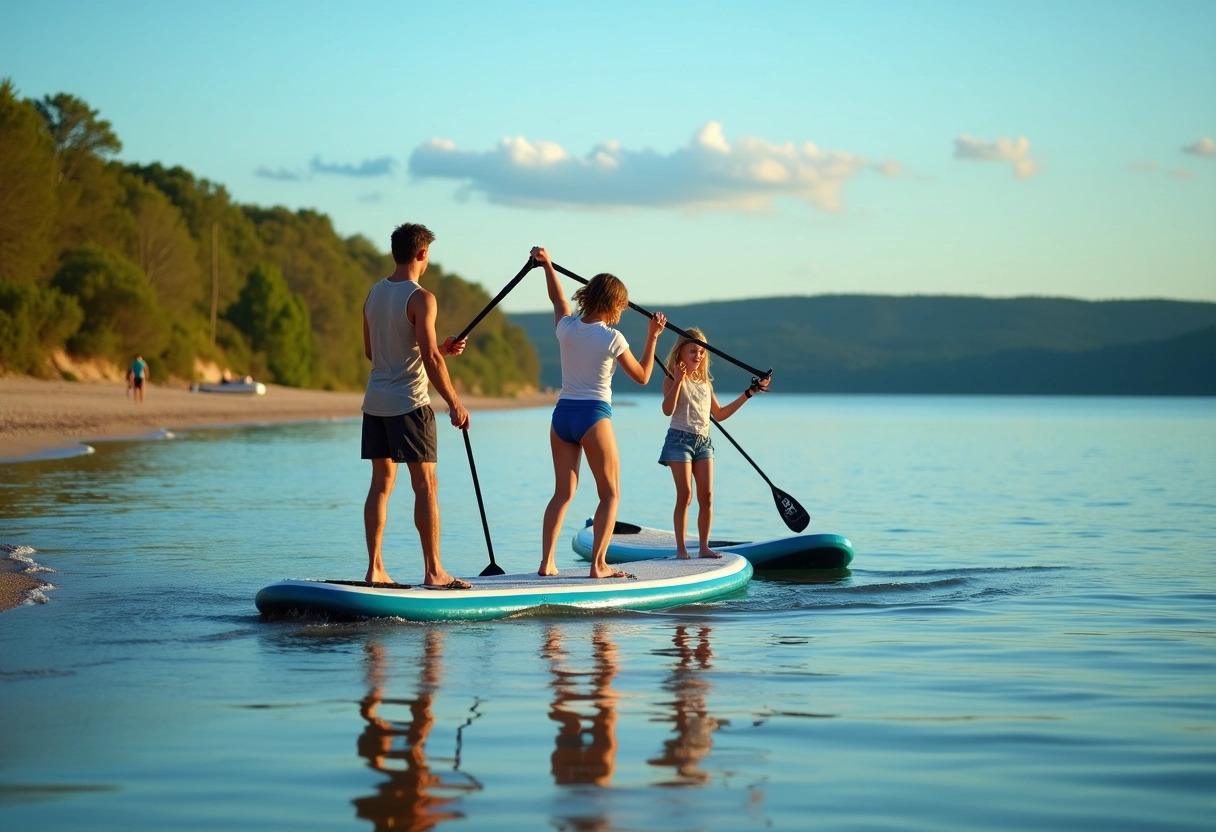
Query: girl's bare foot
[(709, 553), (682, 554)]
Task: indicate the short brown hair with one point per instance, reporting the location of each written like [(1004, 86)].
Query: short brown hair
[(409, 239), (604, 295)]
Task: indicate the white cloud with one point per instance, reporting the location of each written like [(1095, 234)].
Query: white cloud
[(1205, 147), (709, 172), (889, 168), (1014, 151)]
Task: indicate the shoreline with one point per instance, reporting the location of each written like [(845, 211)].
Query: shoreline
[(41, 420)]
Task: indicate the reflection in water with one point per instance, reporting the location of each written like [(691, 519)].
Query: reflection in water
[(413, 797), (693, 726), (585, 750)]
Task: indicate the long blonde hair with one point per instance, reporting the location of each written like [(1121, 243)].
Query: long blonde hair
[(701, 374)]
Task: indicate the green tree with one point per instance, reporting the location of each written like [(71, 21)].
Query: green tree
[(27, 190), (78, 134), (33, 321), (121, 315), (278, 326)]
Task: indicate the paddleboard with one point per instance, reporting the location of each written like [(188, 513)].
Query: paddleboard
[(653, 584), (631, 544)]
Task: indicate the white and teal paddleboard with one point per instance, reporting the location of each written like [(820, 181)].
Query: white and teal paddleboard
[(652, 585), (805, 552)]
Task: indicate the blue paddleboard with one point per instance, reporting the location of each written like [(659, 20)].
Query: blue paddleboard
[(632, 544), (653, 584)]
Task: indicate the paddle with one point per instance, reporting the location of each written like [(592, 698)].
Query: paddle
[(677, 330), (493, 568), (792, 513), (529, 266)]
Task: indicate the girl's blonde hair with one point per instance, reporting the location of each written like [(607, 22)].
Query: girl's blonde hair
[(701, 373), (604, 295)]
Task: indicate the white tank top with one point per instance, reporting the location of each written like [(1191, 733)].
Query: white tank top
[(691, 411), (398, 382)]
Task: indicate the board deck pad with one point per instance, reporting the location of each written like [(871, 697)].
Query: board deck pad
[(632, 544), (652, 584)]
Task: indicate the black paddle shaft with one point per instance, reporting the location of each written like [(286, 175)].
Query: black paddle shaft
[(529, 266), (493, 568), (678, 331)]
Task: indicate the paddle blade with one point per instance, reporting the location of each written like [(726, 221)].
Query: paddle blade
[(792, 513), (492, 569)]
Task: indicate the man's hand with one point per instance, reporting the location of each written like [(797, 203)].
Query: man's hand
[(459, 416), (453, 347)]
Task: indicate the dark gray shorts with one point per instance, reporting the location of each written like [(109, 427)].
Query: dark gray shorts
[(409, 437)]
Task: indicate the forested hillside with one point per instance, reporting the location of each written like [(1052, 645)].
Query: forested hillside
[(105, 260), (882, 344)]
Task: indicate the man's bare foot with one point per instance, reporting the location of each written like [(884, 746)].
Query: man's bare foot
[(378, 577), (709, 553), (444, 580), (610, 573)]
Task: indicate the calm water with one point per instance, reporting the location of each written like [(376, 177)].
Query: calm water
[(1026, 639)]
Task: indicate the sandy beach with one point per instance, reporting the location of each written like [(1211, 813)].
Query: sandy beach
[(41, 419)]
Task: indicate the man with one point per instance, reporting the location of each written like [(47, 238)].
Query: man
[(137, 375), (398, 422)]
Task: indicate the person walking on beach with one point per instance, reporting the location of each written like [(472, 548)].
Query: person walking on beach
[(398, 422), (688, 398), (138, 375), (582, 419)]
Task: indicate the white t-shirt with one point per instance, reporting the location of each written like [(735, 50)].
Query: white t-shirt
[(589, 353)]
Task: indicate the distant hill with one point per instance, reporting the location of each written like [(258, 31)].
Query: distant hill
[(942, 344)]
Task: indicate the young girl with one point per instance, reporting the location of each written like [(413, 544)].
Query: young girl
[(688, 398), (582, 420)]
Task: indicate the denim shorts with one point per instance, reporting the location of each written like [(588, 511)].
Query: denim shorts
[(574, 417), (682, 446)]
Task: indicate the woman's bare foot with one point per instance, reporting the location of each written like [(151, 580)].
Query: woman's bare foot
[(547, 568), (709, 553)]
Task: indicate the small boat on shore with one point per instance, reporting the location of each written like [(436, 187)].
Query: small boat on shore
[(649, 585), (246, 386), (804, 552)]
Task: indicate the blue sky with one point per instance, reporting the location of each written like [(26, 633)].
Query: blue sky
[(699, 150)]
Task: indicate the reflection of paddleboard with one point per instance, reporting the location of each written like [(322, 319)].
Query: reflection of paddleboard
[(655, 584), (632, 543)]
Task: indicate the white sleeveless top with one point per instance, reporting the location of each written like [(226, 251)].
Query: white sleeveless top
[(398, 382), (691, 411)]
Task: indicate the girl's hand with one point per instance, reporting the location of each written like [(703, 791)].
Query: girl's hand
[(657, 323), (541, 256), (678, 372)]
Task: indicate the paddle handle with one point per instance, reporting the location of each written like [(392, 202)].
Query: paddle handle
[(677, 330)]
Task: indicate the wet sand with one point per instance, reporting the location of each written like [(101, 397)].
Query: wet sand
[(44, 419)]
